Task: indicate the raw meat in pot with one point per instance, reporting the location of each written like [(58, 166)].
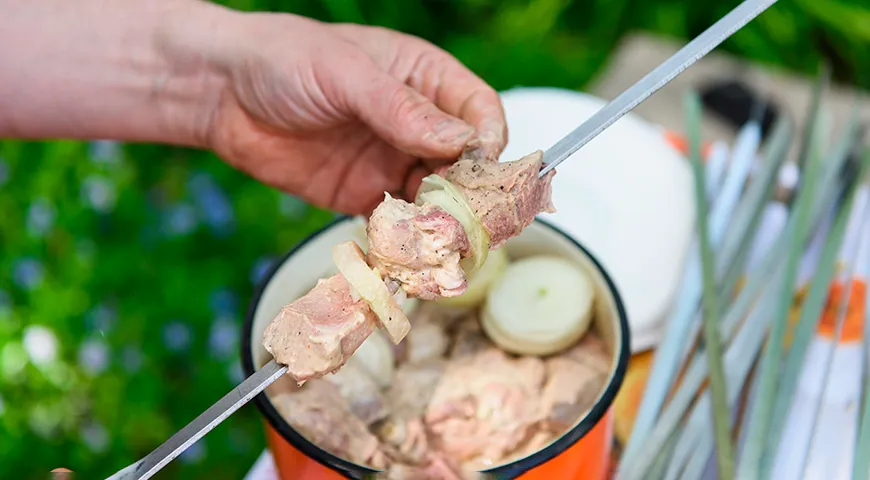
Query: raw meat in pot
[(425, 341), (570, 392), (361, 392), (407, 399), (321, 414), (575, 379), (485, 406), (592, 351), (469, 339)]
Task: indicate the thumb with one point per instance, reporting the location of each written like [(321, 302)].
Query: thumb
[(405, 118)]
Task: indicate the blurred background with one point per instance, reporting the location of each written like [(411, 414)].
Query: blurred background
[(126, 270)]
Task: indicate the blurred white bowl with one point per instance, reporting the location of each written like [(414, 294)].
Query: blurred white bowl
[(627, 195)]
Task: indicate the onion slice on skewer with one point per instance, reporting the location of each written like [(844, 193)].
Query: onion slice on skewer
[(369, 285), (438, 191), (481, 282)]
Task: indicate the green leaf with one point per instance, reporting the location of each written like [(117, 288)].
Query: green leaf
[(753, 449), (812, 306), (861, 462), (712, 342)]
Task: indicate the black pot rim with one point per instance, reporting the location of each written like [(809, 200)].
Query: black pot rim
[(510, 470)]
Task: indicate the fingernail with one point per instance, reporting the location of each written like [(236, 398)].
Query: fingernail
[(453, 131)]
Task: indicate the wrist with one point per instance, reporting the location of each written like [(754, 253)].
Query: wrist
[(191, 81)]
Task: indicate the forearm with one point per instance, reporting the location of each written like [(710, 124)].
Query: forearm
[(98, 69)]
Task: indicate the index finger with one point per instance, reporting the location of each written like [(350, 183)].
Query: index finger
[(458, 91)]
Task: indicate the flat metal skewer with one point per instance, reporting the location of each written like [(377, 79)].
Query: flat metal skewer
[(217, 413), (653, 81)]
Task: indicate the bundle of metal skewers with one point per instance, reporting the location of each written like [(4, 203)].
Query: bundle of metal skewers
[(763, 369)]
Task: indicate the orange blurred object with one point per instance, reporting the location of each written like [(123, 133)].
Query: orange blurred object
[(630, 395), (682, 144), (853, 324)]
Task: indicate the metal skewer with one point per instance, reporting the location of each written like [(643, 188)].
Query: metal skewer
[(217, 413), (653, 81)]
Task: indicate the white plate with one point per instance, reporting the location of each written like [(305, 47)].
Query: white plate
[(627, 195)]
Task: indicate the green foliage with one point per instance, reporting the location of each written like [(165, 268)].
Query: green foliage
[(139, 261)]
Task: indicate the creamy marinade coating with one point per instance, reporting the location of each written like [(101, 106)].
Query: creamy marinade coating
[(415, 250)]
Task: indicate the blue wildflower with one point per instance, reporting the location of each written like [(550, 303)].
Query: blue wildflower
[(101, 319), (260, 269), (223, 337), (176, 336), (104, 151), (95, 437), (40, 217), (179, 220), (194, 453), (99, 193), (94, 356), (235, 373), (213, 204), (28, 273), (4, 172), (224, 302)]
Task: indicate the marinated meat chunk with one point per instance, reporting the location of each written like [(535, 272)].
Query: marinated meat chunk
[(592, 351), (485, 406), (320, 414), (505, 196), (407, 399), (420, 247), (317, 333), (469, 339), (406, 440), (413, 387), (425, 341), (575, 379), (361, 392), (570, 392)]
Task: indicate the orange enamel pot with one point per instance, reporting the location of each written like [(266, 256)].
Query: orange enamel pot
[(582, 453)]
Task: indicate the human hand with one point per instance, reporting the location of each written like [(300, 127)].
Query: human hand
[(336, 113)]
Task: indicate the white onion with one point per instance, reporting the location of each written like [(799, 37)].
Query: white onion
[(369, 285), (480, 283), (375, 357), (539, 306), (438, 191)]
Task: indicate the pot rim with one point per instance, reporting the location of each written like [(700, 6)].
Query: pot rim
[(509, 470)]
